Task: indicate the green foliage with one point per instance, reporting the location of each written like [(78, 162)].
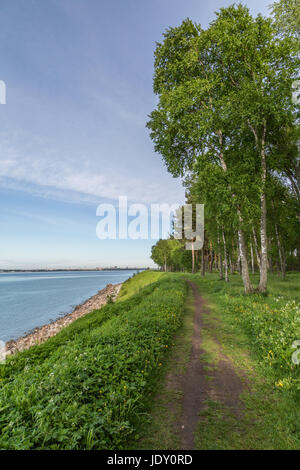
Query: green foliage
[(160, 253), (86, 387), (287, 16), (273, 327), (272, 324), (169, 254), (226, 121)]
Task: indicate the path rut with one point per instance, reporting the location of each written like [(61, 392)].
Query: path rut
[(224, 384)]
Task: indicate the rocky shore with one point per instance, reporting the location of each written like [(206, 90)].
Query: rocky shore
[(39, 335)]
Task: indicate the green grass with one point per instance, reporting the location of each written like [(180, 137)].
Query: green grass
[(87, 387), (137, 282), (102, 382), (243, 329), (158, 431), (271, 323), (246, 329)]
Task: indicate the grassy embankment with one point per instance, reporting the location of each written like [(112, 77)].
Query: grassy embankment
[(254, 334), (87, 386), (92, 385)]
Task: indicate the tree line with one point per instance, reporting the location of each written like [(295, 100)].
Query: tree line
[(227, 122)]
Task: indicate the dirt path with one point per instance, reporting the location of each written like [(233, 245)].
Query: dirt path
[(198, 384)]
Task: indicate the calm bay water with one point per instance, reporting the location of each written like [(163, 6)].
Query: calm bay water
[(29, 300)]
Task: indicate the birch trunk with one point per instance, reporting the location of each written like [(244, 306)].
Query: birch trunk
[(243, 252), (256, 248), (220, 260), (225, 257), (252, 257), (238, 263), (260, 145), (263, 225)]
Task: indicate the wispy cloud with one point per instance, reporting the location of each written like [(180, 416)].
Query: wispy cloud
[(66, 179)]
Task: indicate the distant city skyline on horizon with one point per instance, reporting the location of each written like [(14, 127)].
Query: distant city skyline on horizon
[(77, 268)]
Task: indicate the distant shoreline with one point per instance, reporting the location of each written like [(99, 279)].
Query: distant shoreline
[(68, 270)]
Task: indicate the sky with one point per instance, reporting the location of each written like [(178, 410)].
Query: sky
[(78, 76)]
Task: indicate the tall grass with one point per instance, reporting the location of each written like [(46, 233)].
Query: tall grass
[(271, 322), (86, 387)]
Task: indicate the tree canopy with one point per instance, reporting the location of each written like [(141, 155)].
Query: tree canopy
[(227, 123)]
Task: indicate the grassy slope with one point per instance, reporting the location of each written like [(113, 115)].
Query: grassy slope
[(137, 282), (255, 333), (92, 385), (89, 385)]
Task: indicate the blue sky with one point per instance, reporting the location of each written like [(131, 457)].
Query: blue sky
[(79, 88)]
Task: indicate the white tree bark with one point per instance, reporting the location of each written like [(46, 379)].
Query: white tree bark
[(225, 258), (260, 145), (252, 257), (256, 248), (220, 260), (243, 251), (263, 223)]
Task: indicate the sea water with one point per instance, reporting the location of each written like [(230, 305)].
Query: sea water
[(29, 300)]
